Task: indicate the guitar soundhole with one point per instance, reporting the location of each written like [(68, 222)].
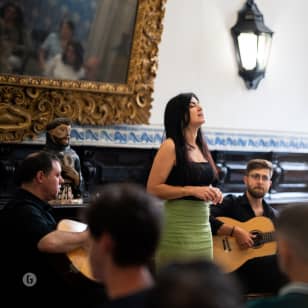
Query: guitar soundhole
[(258, 240)]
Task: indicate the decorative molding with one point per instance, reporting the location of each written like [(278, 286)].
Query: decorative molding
[(129, 136), (150, 136), (236, 140)]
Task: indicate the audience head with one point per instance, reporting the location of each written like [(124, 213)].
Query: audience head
[(58, 131), (128, 221), (194, 284), (291, 231)]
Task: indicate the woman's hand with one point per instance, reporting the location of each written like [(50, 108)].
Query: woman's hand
[(218, 196), (208, 193)]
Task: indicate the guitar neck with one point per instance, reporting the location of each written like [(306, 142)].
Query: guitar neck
[(268, 237)]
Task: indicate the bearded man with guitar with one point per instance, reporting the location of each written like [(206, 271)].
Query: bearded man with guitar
[(260, 272)]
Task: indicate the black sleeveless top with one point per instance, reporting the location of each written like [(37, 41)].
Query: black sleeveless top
[(198, 174)]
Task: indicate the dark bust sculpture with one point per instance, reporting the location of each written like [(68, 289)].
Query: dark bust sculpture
[(58, 142)]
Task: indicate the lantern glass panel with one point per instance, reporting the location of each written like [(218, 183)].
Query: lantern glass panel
[(264, 45), (248, 47)]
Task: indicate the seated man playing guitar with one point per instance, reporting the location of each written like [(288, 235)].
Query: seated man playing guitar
[(260, 274), (33, 251)]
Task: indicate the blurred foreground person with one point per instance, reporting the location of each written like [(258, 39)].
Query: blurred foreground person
[(196, 284), (124, 222), (292, 230)]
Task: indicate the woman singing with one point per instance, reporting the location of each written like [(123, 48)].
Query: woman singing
[(182, 174)]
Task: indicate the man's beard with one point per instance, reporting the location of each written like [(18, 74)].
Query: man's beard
[(62, 141), (256, 193)]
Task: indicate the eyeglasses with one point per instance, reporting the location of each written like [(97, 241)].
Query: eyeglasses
[(257, 177)]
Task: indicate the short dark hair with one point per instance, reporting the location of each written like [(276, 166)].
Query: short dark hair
[(32, 164), (194, 284), (258, 163), (292, 225), (131, 216)]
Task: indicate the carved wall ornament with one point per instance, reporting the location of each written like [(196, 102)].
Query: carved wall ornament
[(28, 103)]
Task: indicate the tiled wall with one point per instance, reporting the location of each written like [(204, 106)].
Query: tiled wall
[(150, 136)]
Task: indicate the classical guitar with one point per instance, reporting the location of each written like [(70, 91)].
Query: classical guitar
[(78, 257), (227, 252)]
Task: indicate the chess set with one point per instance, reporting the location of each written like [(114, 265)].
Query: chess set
[(66, 197)]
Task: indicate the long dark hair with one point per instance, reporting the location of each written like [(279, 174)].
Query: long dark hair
[(78, 51), (176, 119)]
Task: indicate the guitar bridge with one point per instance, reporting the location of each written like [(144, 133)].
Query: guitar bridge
[(229, 254), (226, 244)]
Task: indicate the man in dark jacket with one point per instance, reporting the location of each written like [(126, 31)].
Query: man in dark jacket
[(34, 251)]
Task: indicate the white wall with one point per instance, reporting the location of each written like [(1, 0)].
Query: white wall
[(197, 54)]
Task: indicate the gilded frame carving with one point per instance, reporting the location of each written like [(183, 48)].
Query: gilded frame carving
[(28, 103)]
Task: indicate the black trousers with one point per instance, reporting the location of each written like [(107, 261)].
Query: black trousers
[(261, 275)]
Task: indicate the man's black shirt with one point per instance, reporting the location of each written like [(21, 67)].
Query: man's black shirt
[(259, 274)]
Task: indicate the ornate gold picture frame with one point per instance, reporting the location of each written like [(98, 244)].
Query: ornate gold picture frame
[(28, 103)]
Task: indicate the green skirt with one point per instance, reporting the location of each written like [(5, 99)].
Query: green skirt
[(187, 232)]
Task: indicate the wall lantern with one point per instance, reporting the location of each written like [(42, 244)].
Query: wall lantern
[(252, 41)]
